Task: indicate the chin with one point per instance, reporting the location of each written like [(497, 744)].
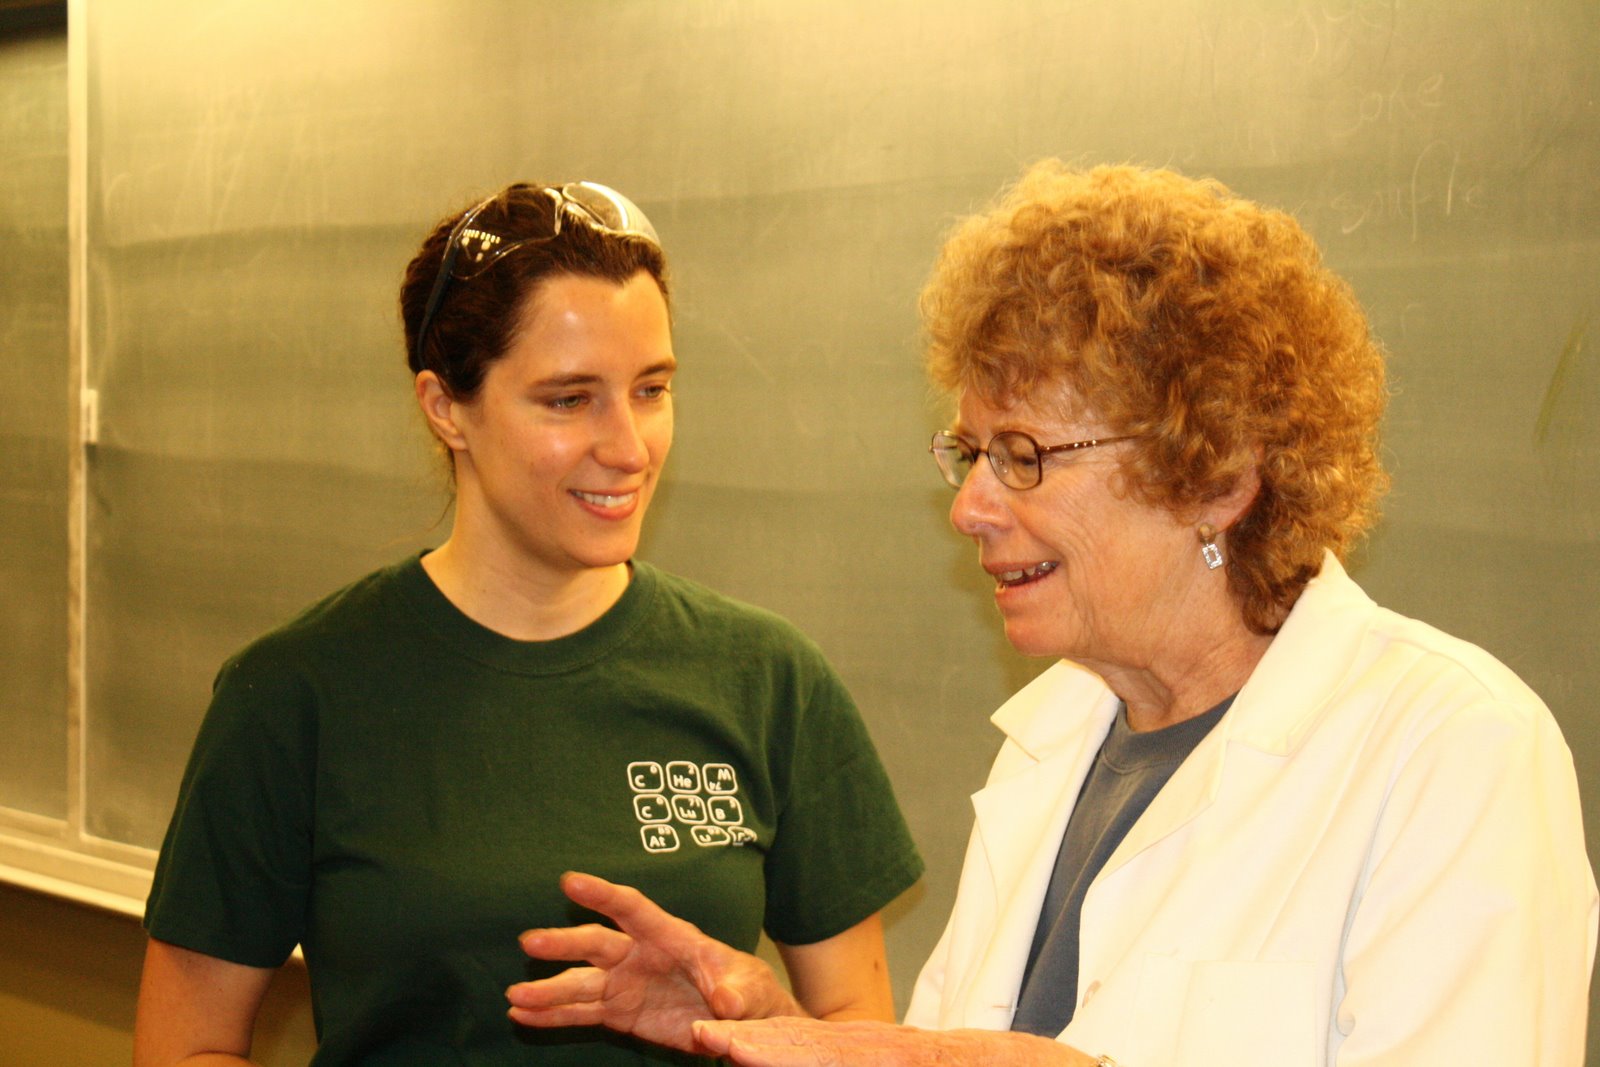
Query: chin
[(1032, 643), (610, 555), (598, 562)]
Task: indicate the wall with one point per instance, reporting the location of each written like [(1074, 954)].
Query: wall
[(68, 982)]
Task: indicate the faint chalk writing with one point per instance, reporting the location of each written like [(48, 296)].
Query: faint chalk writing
[(1433, 188), (1407, 100)]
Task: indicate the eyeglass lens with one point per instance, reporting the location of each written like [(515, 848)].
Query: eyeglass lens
[(953, 456), (474, 249), (1013, 455), (608, 209)]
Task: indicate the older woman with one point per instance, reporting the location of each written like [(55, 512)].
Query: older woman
[(1250, 817)]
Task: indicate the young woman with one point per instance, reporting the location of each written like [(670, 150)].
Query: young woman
[(397, 779)]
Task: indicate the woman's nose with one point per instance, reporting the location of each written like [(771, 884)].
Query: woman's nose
[(622, 445), (978, 505)]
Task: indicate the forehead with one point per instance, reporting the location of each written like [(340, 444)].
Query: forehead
[(1046, 411), (590, 327)]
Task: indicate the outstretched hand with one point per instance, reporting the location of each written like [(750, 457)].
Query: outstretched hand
[(810, 1043), (653, 977)]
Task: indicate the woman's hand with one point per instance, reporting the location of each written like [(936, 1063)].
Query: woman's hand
[(653, 977), (810, 1043)]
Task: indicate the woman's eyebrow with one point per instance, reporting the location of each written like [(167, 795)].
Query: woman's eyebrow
[(665, 366), (564, 381)]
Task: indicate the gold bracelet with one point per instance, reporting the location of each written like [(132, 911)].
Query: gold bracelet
[(1105, 1061)]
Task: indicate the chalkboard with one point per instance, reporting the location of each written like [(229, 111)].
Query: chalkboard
[(257, 175), (34, 376)]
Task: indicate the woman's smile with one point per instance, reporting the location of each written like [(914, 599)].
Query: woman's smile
[(614, 506), (1011, 577)]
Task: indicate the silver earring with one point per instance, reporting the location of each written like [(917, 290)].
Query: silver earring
[(1208, 546)]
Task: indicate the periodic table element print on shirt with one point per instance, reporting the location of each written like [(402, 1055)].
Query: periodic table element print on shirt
[(683, 802)]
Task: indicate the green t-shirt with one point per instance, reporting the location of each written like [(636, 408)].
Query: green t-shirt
[(398, 789)]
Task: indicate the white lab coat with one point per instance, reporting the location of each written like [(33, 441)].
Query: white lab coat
[(1375, 858)]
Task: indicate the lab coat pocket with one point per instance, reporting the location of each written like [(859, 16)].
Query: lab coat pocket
[(1248, 1014)]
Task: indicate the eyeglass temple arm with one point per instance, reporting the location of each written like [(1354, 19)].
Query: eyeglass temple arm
[(435, 295), (1045, 450), (447, 265)]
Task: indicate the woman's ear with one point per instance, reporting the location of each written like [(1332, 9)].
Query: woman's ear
[(1231, 506), (440, 409)]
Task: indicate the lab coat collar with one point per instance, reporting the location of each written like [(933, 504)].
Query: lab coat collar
[(1046, 719), (1304, 668), (1043, 715)]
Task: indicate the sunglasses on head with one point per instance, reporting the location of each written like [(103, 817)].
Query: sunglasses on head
[(473, 248)]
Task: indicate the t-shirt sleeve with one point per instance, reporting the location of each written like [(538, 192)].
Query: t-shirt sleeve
[(233, 877), (842, 850)]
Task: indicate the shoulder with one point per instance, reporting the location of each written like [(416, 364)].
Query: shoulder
[(1437, 689), (690, 604), (736, 646), (326, 630), (1342, 658), (1438, 661), (1417, 704)]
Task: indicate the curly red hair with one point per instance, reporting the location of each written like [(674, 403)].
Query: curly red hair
[(1203, 323)]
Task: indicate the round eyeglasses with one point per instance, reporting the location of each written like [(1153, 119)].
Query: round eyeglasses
[(472, 248), (1017, 459)]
